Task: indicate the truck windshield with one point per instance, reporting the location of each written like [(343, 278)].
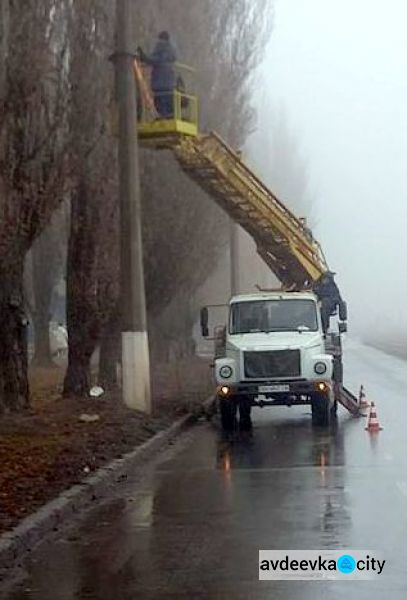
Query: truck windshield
[(273, 315)]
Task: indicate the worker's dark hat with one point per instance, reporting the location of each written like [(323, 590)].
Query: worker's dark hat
[(164, 35)]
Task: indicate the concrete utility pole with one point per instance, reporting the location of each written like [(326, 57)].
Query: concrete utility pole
[(135, 352), (234, 258)]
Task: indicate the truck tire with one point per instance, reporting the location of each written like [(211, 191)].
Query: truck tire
[(227, 410), (321, 412), (245, 409)]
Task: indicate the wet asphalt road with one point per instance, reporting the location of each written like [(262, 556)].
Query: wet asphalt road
[(192, 526)]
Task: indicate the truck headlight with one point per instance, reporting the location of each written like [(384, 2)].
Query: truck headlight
[(225, 372), (320, 368), (224, 390)]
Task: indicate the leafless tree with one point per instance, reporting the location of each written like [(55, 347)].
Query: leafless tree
[(56, 143), (184, 229), (33, 170), (93, 242)]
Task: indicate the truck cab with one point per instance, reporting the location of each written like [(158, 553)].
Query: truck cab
[(274, 351)]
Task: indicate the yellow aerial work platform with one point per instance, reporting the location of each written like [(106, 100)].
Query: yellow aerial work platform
[(283, 240), (170, 121), (167, 116)]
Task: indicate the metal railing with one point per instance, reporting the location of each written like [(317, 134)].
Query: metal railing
[(177, 104)]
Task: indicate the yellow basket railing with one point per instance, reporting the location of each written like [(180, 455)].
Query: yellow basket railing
[(165, 111)]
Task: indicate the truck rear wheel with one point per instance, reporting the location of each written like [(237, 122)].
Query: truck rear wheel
[(227, 410), (321, 411)]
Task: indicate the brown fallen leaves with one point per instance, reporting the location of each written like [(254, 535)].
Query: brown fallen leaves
[(49, 449)]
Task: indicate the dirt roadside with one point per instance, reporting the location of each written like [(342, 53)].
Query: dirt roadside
[(50, 448)]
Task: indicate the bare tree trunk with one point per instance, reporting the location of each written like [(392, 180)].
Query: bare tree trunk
[(43, 284), (82, 322), (14, 389), (78, 375), (110, 353), (4, 40), (42, 344)]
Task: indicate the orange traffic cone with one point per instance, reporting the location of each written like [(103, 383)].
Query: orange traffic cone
[(363, 403), (373, 424)]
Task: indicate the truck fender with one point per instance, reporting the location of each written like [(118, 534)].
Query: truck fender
[(222, 364)]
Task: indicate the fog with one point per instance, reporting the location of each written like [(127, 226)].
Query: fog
[(339, 69)]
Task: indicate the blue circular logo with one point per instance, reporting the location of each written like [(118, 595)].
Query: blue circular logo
[(346, 564)]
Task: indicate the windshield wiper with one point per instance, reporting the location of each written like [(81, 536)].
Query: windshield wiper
[(279, 329), (299, 329)]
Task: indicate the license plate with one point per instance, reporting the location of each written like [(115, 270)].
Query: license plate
[(269, 389)]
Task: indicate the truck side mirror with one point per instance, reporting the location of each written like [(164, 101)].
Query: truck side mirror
[(343, 311), (204, 321), (343, 327)]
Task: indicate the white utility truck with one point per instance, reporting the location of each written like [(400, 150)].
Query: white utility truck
[(276, 350), (277, 347)]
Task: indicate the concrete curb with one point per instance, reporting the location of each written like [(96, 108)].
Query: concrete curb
[(20, 540)]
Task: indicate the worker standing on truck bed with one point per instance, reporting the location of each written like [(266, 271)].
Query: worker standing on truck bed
[(330, 297), (163, 79)]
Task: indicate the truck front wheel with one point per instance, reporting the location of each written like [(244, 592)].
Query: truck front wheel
[(321, 411), (227, 410), (245, 419)]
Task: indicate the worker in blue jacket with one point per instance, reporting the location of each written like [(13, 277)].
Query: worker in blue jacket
[(163, 77), (329, 296)]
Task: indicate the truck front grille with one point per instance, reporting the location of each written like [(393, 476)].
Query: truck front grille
[(272, 364)]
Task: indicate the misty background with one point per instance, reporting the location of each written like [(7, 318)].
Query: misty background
[(325, 81), (334, 77)]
